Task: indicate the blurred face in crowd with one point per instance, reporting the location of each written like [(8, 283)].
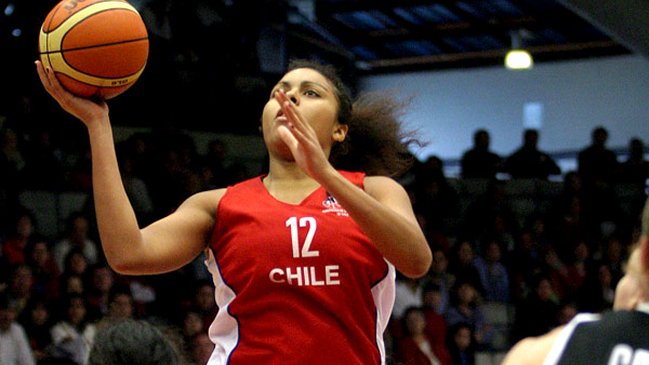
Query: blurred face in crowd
[(7, 317), (415, 322), (121, 307), (462, 338)]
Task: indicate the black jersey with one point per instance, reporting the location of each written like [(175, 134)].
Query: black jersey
[(612, 338)]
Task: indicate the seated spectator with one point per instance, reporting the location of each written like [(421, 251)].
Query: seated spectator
[(464, 309), (528, 162), (77, 236), (598, 292), (415, 348), (538, 312), (435, 322), (493, 274), (461, 344), (408, 294), (203, 301), (201, 349), (73, 335), (44, 269), (479, 162), (462, 264), (36, 319), (22, 230), (192, 324), (19, 291), (14, 345), (133, 342), (441, 277), (102, 279)]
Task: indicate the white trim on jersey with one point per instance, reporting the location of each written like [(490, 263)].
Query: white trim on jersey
[(643, 307), (224, 330), (383, 294), (560, 343)]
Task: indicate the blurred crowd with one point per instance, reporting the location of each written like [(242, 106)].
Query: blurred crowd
[(497, 244)]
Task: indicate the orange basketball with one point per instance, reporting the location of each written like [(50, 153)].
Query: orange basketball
[(97, 48)]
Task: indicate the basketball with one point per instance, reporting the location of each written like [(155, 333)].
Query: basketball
[(96, 48)]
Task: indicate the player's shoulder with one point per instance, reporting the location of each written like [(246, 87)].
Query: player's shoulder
[(532, 350), (381, 185), (205, 200)]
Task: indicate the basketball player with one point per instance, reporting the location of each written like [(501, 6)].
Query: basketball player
[(618, 337), (303, 258)]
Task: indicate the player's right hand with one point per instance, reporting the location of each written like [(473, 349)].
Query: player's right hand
[(85, 109)]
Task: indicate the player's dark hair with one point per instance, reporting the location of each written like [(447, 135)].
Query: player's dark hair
[(376, 142)]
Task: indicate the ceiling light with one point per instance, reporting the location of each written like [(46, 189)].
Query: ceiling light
[(518, 58)]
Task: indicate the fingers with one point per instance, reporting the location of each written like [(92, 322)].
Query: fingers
[(296, 124), (49, 80)]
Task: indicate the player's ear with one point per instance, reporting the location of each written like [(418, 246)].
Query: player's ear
[(340, 131), (643, 250), (644, 239)]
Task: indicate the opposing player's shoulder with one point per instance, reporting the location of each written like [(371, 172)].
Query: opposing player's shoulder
[(532, 350)]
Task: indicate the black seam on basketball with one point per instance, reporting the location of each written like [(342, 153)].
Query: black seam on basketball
[(96, 45), (93, 14)]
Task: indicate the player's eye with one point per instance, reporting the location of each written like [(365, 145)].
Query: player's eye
[(311, 92)]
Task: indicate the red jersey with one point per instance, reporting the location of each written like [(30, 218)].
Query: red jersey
[(296, 284)]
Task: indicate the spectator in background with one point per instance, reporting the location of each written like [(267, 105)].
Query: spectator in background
[(201, 348), (20, 286), (45, 271), (493, 274), (436, 200), (77, 236), (36, 319), (479, 162), (538, 312), (415, 348), (596, 163), (435, 322), (461, 344), (120, 307), (73, 335), (634, 177), (635, 169), (465, 309), (43, 169), (440, 276), (14, 345), (529, 162), (598, 292), (462, 264), (102, 279), (22, 230), (408, 294), (136, 189)]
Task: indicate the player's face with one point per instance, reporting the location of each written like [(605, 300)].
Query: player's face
[(630, 290), (315, 99)]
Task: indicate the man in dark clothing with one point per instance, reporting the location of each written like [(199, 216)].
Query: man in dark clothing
[(529, 162)]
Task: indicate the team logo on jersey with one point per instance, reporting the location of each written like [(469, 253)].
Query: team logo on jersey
[(332, 206)]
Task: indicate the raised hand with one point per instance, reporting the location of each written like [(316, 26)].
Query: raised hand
[(301, 139), (85, 109)]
